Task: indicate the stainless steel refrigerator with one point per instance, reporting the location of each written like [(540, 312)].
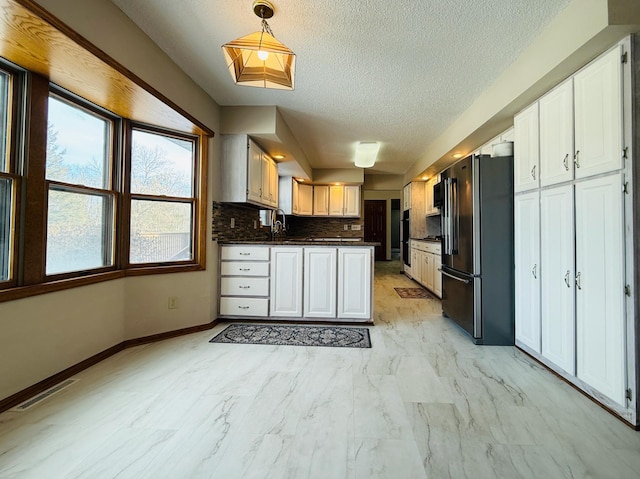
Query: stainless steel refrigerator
[(477, 248)]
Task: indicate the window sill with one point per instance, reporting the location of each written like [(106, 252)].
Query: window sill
[(21, 292)]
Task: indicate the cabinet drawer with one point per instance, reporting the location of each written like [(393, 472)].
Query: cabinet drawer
[(244, 287), (434, 248), (244, 307), (253, 253), (244, 268)]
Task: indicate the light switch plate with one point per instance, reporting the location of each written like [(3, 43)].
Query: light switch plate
[(355, 227)]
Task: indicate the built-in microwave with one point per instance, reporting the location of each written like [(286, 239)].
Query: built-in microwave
[(438, 195)]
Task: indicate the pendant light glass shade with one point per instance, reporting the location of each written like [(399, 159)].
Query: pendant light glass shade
[(258, 59)]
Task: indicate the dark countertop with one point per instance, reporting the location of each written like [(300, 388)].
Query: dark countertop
[(426, 240), (302, 242)]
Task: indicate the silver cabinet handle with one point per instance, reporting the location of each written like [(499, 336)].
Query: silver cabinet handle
[(244, 287), (243, 307), (533, 172), (245, 254), (576, 159), (565, 162), (566, 279), (244, 269), (465, 281), (578, 280), (534, 271)]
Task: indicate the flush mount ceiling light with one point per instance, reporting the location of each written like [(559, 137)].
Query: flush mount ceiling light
[(366, 153), (258, 59)]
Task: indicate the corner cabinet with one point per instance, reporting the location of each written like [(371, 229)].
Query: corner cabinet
[(249, 175)]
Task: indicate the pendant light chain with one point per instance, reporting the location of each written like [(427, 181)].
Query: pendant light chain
[(266, 27)]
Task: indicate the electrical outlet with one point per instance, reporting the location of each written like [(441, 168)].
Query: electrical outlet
[(356, 227), (255, 224), (346, 227), (233, 222), (172, 303)]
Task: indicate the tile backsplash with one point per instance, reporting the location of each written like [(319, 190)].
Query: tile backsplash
[(247, 225)]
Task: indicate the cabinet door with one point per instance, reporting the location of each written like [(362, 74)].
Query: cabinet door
[(416, 265), (254, 177), (406, 197), (336, 201), (295, 197), (598, 115), (557, 274), (354, 283), (305, 199), (427, 278), (320, 282), (437, 275), (273, 183), (556, 135), (286, 282), (599, 279), (352, 201), (526, 149), (321, 200), (527, 269)]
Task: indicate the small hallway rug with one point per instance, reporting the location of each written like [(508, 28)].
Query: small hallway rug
[(414, 293), (294, 335)]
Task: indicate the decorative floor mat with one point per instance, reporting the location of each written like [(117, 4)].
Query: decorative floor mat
[(414, 293), (295, 335)]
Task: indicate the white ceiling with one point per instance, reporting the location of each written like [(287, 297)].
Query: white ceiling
[(394, 71)]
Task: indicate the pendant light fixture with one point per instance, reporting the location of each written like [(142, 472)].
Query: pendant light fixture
[(258, 59)]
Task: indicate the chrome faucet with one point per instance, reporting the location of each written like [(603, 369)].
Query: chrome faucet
[(277, 226)]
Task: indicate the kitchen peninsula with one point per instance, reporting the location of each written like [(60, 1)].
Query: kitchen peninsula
[(303, 279)]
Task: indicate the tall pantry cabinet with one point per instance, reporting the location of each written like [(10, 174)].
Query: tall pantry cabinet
[(573, 270)]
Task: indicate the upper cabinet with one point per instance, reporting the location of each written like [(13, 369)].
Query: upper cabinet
[(336, 201), (429, 197), (406, 197), (575, 130), (320, 200), (303, 201), (526, 159), (598, 115), (248, 174), (556, 135)]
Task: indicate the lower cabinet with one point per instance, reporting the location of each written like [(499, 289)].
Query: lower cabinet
[(354, 279), (320, 282), (426, 261), (286, 282), (302, 282)]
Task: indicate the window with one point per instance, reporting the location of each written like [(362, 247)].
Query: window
[(80, 197), (8, 179), (163, 197)]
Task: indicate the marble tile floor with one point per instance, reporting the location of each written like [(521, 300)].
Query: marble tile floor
[(422, 402)]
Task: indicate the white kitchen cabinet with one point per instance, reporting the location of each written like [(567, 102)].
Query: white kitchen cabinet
[(526, 149), (248, 174), (557, 278), (430, 207), (527, 269), (507, 135), (416, 264), (598, 115), (556, 135), (336, 200), (320, 280), (599, 281), (354, 280), (427, 272), (352, 201), (406, 197), (244, 280), (304, 199), (320, 200), (286, 282), (437, 275)]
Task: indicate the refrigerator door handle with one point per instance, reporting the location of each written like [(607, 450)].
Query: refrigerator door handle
[(465, 281)]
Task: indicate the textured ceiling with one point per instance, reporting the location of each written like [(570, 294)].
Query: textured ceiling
[(394, 71)]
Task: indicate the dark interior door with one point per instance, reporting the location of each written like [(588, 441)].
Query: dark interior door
[(375, 226)]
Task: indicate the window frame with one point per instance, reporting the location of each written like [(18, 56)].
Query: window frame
[(15, 148), (195, 200)]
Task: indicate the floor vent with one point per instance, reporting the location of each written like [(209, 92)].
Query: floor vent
[(43, 395)]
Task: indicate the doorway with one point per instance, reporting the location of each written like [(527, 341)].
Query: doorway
[(375, 226)]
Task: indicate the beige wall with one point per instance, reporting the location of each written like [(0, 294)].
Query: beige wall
[(45, 334), (388, 196)]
